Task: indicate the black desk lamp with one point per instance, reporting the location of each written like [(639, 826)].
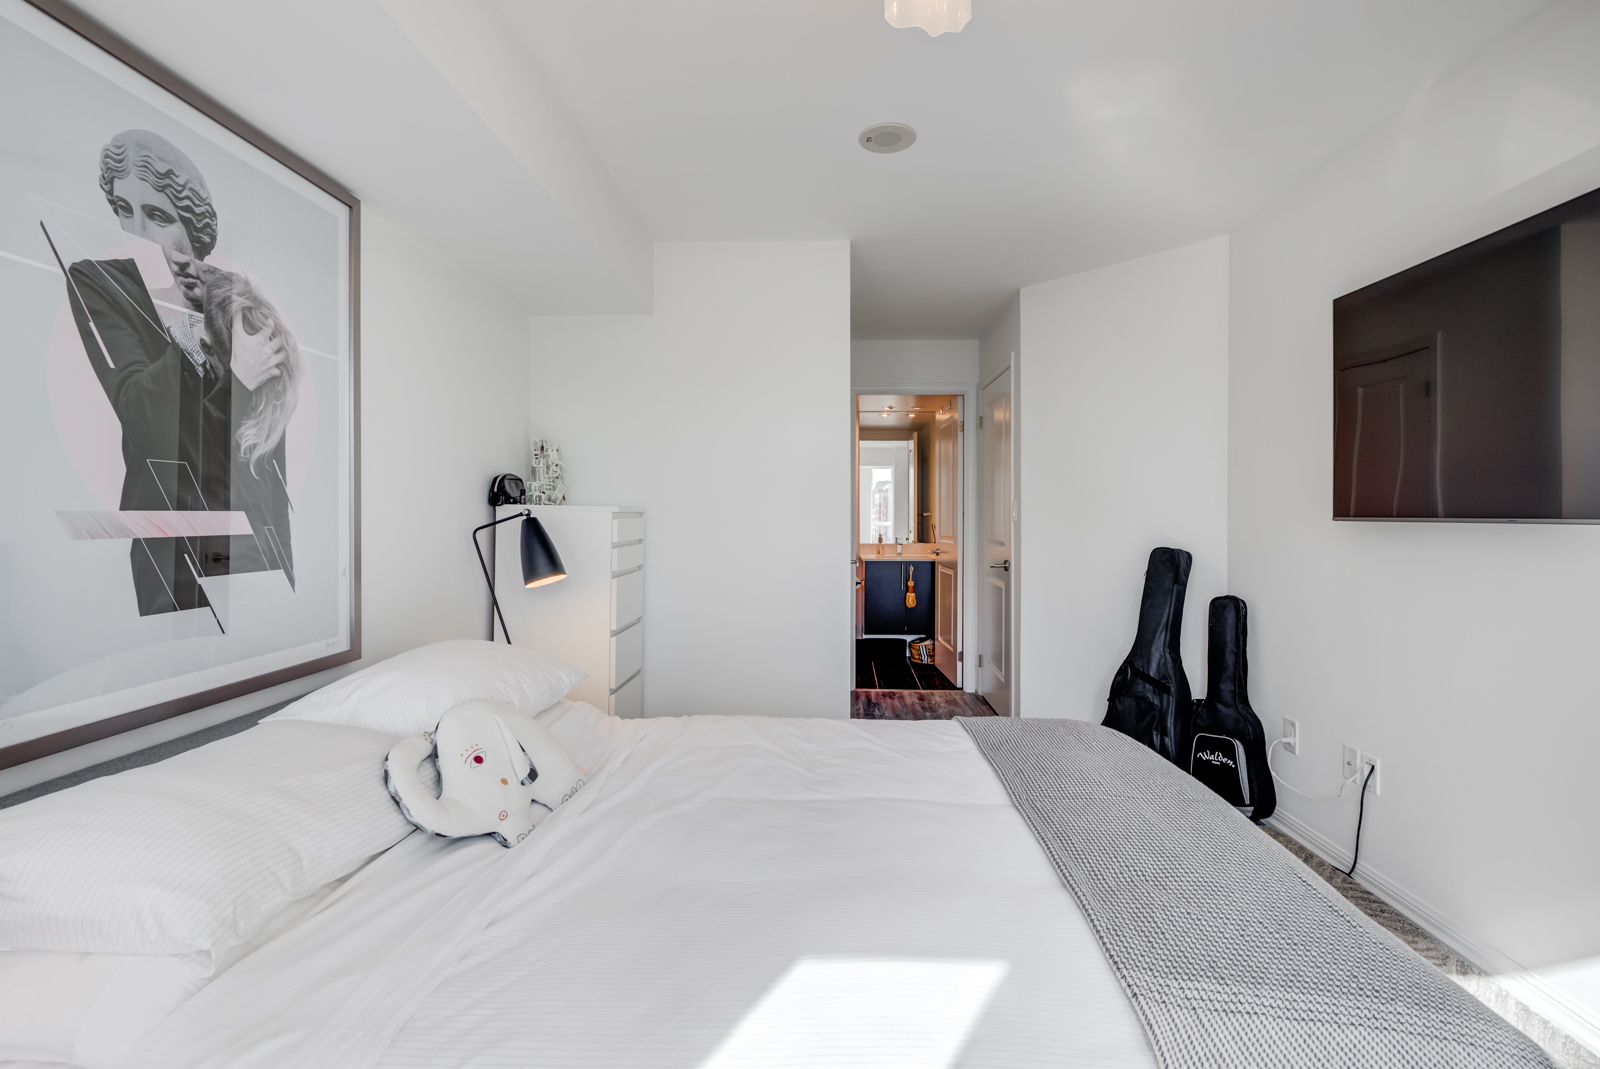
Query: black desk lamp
[(541, 564)]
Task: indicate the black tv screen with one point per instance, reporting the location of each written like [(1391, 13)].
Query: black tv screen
[(1468, 387)]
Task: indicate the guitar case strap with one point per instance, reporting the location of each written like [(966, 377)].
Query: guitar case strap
[(1150, 694)]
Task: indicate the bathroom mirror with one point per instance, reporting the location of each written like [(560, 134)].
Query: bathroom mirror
[(895, 434), (888, 482)]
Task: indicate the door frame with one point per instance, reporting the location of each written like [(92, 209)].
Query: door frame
[(1013, 616), (968, 392)]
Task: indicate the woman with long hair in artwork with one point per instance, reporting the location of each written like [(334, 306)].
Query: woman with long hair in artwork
[(236, 308)]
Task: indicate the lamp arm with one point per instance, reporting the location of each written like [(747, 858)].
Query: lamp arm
[(482, 564)]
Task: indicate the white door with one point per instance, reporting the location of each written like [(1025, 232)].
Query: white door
[(947, 541), (995, 525)]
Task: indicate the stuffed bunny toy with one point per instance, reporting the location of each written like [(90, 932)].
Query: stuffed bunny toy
[(494, 762)]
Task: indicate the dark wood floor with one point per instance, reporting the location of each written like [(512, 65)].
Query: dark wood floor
[(881, 664), (916, 705)]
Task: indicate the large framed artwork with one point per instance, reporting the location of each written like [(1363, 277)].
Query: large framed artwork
[(178, 421)]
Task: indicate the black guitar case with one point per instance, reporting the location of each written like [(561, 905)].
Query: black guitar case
[(1224, 745), (1150, 694)]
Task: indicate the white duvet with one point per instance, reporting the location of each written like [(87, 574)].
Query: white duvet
[(726, 891)]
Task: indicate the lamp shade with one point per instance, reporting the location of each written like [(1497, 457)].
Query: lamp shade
[(541, 563), (934, 16)]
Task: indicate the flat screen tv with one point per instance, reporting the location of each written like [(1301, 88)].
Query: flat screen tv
[(1467, 388)]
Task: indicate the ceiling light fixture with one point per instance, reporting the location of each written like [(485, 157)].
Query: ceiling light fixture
[(887, 137), (934, 16)]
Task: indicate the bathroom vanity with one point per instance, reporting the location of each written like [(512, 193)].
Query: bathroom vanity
[(886, 580)]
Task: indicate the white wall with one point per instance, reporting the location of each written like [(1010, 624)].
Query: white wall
[(1001, 344), (1461, 654), (880, 363), (444, 383), (747, 595), (1125, 448), (444, 380)]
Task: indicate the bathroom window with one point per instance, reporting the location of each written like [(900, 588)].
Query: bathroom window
[(880, 503)]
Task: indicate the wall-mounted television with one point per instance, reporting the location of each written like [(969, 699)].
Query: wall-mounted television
[(1467, 388)]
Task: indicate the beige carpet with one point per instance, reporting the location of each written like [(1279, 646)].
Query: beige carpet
[(1562, 1048)]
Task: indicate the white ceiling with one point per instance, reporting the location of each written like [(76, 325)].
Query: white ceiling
[(898, 412), (1053, 135), (340, 83)]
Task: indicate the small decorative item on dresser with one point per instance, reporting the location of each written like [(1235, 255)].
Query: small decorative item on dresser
[(507, 490), (545, 484)]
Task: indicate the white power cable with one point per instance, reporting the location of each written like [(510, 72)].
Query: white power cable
[(1313, 797)]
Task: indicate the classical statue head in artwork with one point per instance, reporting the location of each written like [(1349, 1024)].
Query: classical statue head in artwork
[(158, 193)]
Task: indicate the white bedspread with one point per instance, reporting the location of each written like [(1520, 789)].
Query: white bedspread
[(727, 891)]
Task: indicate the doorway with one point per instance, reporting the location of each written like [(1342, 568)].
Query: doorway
[(909, 519)]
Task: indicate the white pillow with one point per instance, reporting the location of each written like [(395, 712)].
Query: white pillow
[(89, 1010), (408, 693), (195, 854)]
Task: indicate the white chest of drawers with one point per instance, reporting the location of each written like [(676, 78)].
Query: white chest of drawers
[(594, 618)]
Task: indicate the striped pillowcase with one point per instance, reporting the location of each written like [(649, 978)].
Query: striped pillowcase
[(408, 693), (196, 853)]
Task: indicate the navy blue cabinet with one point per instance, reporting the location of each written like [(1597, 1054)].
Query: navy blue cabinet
[(886, 612), (886, 602)]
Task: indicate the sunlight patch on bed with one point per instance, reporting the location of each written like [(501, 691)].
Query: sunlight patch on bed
[(863, 1014)]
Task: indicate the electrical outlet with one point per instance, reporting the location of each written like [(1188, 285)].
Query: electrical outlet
[(1366, 761), (1352, 762), (1291, 736)]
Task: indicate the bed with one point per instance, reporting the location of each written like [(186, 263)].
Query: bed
[(724, 891)]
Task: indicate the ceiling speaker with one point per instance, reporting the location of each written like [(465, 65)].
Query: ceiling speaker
[(887, 137)]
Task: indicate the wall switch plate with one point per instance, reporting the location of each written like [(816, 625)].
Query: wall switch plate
[(1352, 762), (1367, 760), (1291, 735)]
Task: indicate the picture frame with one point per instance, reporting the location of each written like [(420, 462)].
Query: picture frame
[(209, 278)]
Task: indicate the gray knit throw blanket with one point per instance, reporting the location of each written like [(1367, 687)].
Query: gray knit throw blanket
[(1233, 953)]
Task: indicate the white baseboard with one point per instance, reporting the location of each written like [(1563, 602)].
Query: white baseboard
[(1579, 1022), (1482, 957), (1582, 1023)]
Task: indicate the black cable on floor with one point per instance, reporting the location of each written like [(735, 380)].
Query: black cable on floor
[(1360, 815)]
